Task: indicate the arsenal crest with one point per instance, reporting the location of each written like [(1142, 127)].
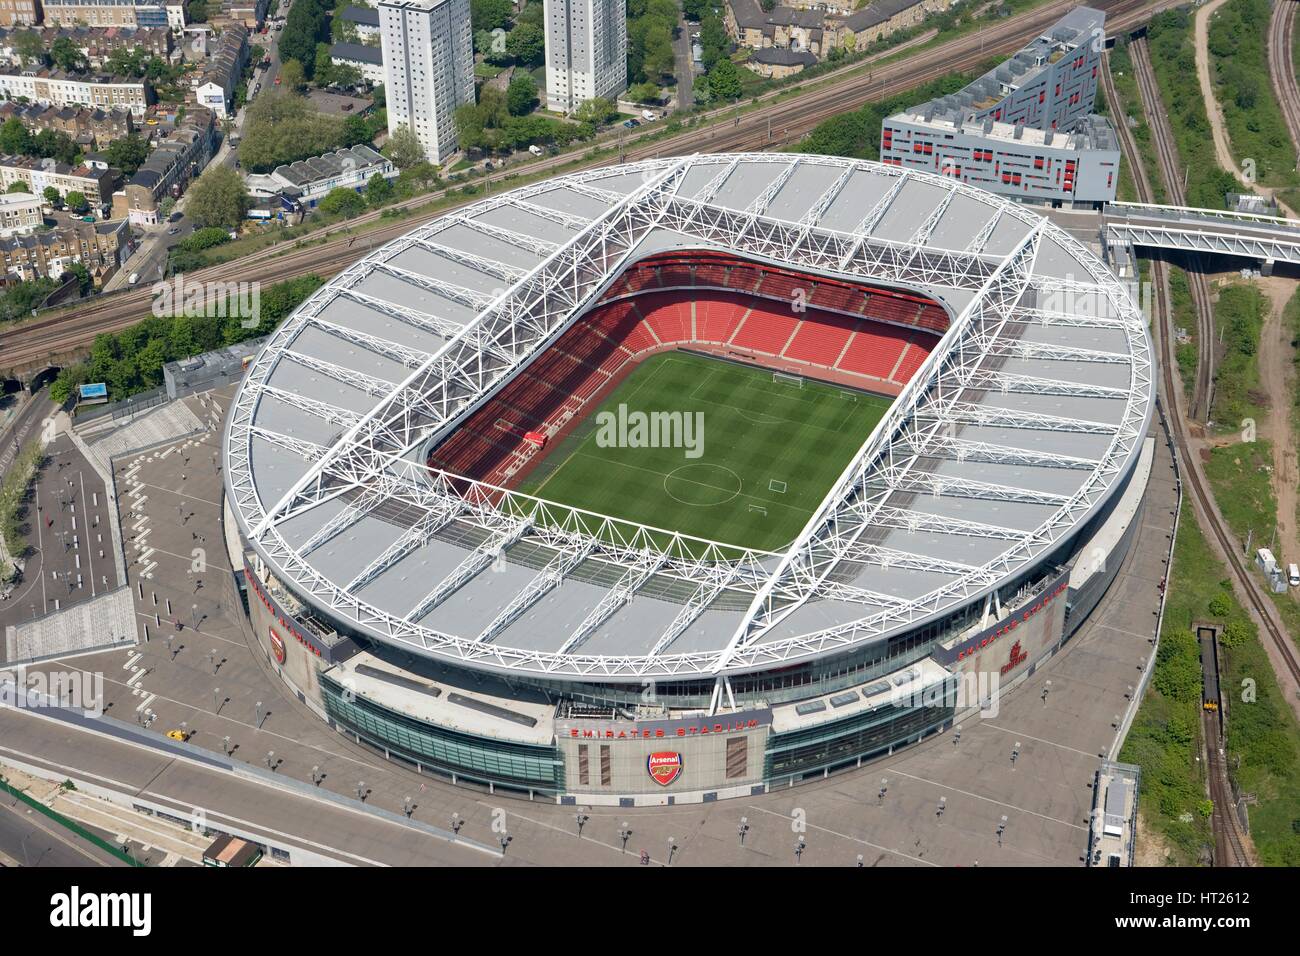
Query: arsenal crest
[(664, 766), (277, 647)]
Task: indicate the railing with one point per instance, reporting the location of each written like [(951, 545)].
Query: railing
[(1180, 212)]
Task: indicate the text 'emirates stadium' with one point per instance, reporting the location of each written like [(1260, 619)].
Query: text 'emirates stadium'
[(436, 563)]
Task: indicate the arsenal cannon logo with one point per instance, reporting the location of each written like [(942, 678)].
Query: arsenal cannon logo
[(665, 766)]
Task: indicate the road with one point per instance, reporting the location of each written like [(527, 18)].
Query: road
[(50, 339), (685, 66)]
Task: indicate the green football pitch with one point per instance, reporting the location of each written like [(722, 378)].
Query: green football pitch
[(769, 450)]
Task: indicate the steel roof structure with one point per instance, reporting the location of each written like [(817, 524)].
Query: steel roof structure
[(1015, 430)]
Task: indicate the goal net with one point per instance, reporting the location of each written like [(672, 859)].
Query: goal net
[(782, 378)]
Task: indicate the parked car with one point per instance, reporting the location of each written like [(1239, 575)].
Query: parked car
[(632, 123)]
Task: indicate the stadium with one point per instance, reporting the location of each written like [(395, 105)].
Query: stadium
[(691, 478)]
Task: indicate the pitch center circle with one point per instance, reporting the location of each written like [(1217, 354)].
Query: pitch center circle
[(702, 485)]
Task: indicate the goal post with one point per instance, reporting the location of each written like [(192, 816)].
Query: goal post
[(784, 378)]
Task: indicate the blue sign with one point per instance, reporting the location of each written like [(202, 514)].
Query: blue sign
[(93, 394)]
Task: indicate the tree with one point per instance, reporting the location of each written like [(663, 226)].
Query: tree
[(521, 96), (66, 56), (378, 191), (76, 201), (724, 81), (15, 140), (595, 111), (52, 196), (219, 198), (644, 93), (127, 154), (18, 186), (323, 68), (292, 76), (490, 14), (343, 202), (404, 147), (280, 127), (527, 44), (305, 26), (31, 47)]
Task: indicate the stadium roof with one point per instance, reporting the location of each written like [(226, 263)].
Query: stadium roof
[(1022, 421)]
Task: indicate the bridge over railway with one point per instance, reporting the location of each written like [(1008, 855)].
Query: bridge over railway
[(1268, 239)]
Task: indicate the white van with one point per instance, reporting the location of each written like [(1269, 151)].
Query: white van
[(1265, 561), (1293, 575), (535, 150)]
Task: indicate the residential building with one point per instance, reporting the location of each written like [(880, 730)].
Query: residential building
[(93, 128), (880, 19), (95, 13), (779, 62), (37, 175), (216, 89), (20, 212), (364, 21), (787, 27), (250, 13), (586, 51), (169, 170), (308, 181), (20, 13), (368, 60), (428, 54), (56, 88), (101, 247)]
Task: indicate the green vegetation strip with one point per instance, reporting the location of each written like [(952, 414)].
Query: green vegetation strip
[(1173, 56), (69, 824), (1239, 316), (1238, 45)]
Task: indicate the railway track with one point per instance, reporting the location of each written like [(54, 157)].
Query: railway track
[(1230, 846), (1199, 403), (61, 337), (1281, 41)]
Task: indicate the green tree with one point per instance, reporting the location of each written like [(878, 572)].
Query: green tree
[(76, 201), (15, 140), (18, 186), (404, 147), (378, 190), (127, 154), (490, 14), (219, 198), (595, 111), (527, 45), (521, 96), (305, 26), (644, 93), (292, 76), (724, 81), (343, 202), (280, 127), (29, 45), (66, 56), (52, 196)]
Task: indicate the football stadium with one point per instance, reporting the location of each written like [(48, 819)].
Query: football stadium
[(691, 478)]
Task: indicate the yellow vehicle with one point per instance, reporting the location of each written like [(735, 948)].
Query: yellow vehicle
[(180, 735), (1211, 705)]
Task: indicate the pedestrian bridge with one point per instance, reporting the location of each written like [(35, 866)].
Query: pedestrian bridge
[(1266, 238)]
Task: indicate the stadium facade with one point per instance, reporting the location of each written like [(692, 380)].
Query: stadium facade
[(1026, 128), (407, 590)]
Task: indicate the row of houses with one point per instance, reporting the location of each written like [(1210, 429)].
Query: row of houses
[(101, 247), (96, 44), (306, 182), (216, 89), (171, 167), (58, 88), (114, 13), (817, 28), (88, 127), (96, 183)]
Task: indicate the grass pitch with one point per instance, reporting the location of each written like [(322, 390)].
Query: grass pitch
[(769, 451)]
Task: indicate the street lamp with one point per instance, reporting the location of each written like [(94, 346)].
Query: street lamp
[(884, 788), (623, 834), (743, 829), (580, 818), (672, 848)]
